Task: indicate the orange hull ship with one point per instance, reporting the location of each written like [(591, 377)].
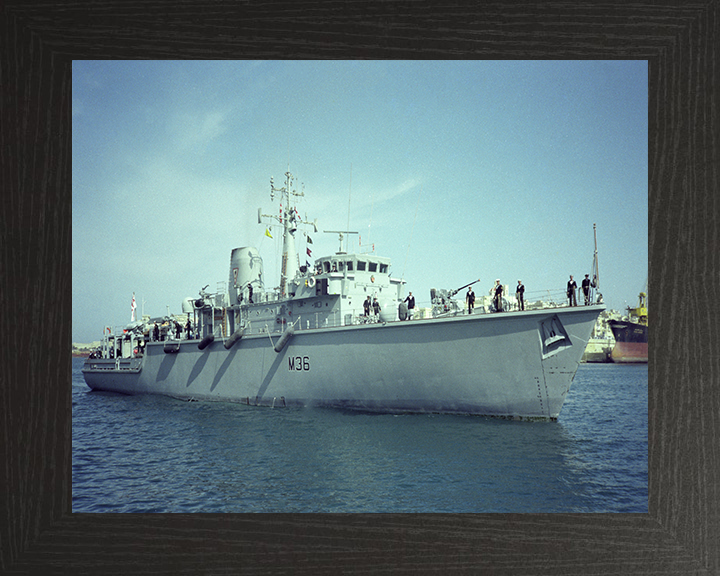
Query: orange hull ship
[(631, 336)]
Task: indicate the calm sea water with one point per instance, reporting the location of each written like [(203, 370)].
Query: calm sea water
[(155, 454)]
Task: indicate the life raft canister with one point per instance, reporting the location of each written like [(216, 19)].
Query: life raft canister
[(402, 311), (205, 342), (230, 342), (284, 338)]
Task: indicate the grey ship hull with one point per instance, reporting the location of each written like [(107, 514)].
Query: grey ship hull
[(514, 364)]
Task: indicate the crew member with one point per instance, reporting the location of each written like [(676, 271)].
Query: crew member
[(410, 304), (366, 306), (376, 307), (520, 295), (571, 287), (470, 300), (498, 296), (586, 289)]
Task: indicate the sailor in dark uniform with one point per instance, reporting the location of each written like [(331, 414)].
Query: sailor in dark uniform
[(366, 306), (586, 289), (520, 295), (470, 300), (571, 287), (376, 307), (411, 305), (156, 333), (498, 296)]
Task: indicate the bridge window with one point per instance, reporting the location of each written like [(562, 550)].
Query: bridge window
[(373, 266), (383, 268), (361, 265), (350, 266)]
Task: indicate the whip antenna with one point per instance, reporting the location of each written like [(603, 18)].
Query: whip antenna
[(417, 205), (347, 246)]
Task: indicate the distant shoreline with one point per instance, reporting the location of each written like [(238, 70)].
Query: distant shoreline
[(83, 350)]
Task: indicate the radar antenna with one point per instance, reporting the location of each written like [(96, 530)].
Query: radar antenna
[(341, 234)]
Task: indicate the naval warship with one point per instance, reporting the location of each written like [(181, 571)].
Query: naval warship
[(337, 333)]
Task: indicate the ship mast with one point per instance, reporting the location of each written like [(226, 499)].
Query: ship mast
[(289, 218), (595, 270)]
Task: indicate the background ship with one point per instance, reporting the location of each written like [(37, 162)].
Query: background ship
[(631, 334), (601, 341)]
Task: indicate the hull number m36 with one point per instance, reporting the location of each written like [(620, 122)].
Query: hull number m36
[(299, 363)]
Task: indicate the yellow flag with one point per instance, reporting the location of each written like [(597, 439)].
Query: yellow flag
[(267, 233)]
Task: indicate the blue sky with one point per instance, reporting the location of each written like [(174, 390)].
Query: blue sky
[(456, 170)]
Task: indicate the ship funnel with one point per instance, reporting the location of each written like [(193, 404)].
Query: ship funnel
[(246, 273)]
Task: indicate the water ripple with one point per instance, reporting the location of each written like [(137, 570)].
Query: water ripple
[(153, 454)]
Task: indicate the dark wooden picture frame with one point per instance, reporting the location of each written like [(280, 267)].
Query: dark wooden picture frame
[(38, 532)]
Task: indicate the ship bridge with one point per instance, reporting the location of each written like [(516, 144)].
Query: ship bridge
[(351, 275), (334, 289), (360, 264)]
